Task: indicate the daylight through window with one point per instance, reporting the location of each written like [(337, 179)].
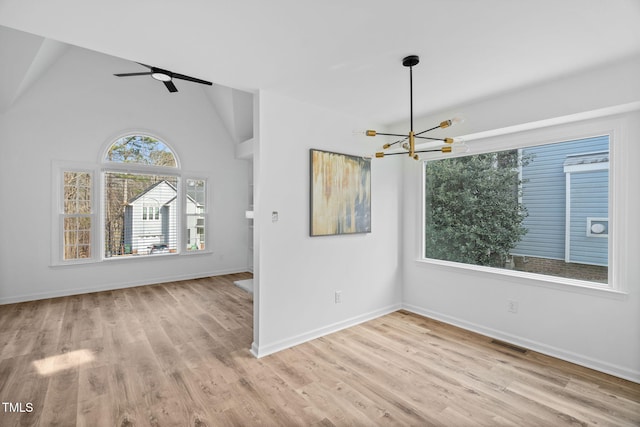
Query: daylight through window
[(140, 214), (77, 215), (541, 209), (146, 206), (195, 207)]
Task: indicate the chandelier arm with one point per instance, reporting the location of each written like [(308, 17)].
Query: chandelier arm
[(432, 150), (392, 134), (432, 139), (398, 141), (428, 130), (404, 153)]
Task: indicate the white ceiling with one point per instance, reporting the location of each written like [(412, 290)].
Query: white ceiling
[(346, 54)]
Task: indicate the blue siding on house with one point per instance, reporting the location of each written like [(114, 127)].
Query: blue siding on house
[(544, 196), (589, 198)]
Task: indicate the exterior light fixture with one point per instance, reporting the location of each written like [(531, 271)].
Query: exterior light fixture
[(408, 142)]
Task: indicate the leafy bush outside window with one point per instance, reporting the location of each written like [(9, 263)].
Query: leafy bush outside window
[(472, 213)]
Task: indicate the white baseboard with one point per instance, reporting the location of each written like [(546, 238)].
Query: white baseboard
[(598, 365), (254, 349), (114, 286), (267, 349)]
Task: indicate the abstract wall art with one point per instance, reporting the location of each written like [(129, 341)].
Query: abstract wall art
[(340, 194)]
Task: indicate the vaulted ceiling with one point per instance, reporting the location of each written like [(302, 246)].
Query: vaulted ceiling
[(344, 55)]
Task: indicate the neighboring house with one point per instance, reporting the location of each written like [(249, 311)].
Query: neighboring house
[(565, 190), (150, 220)]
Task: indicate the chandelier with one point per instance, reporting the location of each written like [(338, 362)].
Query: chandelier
[(408, 142)]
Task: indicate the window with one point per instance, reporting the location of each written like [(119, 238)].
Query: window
[(195, 208), (540, 209), (140, 213), (146, 207), (150, 213), (142, 150), (141, 208), (77, 216)]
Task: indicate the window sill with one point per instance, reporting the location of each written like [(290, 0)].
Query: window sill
[(533, 279), (127, 258), (197, 252)]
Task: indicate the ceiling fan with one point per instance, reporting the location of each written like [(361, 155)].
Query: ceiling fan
[(165, 76)]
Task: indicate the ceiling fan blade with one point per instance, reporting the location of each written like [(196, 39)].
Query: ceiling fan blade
[(146, 73), (170, 86), (190, 79)]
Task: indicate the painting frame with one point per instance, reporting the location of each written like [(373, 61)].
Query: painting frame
[(340, 194)]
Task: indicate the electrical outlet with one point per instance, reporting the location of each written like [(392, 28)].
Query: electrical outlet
[(338, 297), (512, 306)]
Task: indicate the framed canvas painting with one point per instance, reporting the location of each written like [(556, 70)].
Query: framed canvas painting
[(340, 194)]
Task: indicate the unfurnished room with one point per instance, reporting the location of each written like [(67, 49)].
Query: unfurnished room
[(296, 213)]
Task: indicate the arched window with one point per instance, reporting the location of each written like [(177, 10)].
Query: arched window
[(142, 150), (147, 206), (141, 212)]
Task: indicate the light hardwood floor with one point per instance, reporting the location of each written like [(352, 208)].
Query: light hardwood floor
[(177, 355)]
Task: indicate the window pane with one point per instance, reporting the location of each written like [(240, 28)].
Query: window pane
[(141, 149), (196, 208), (77, 192), (71, 252), (84, 251), (132, 226), (77, 209), (195, 232), (540, 209), (84, 223), (76, 237), (84, 206), (70, 238), (70, 206), (84, 237)]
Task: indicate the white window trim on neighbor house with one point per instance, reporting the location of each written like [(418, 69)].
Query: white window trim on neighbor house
[(98, 172), (611, 122)]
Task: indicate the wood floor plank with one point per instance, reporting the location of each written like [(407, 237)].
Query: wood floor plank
[(176, 354), (61, 400), (95, 407)]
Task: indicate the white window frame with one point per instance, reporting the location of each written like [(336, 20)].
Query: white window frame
[(205, 214), (98, 173), (58, 215), (133, 168), (611, 122)]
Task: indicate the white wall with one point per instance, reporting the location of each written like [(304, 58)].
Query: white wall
[(71, 114), (297, 275), (591, 328)]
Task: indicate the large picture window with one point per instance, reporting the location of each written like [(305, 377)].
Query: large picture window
[(140, 214), (141, 205), (146, 207), (540, 209)]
